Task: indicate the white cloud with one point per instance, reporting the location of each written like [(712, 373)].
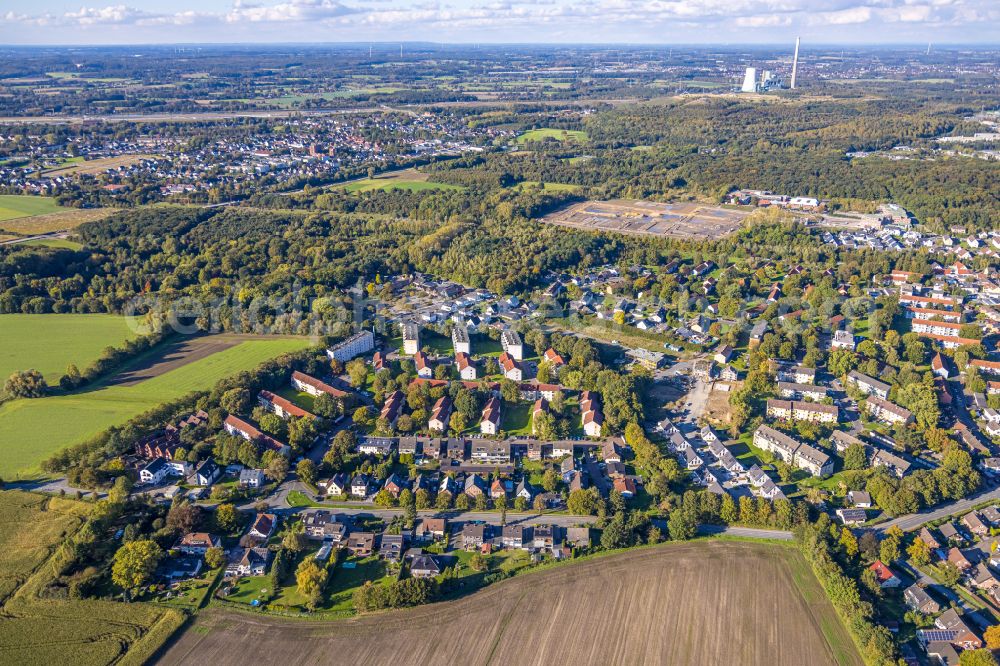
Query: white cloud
[(848, 16), (771, 21), (104, 15), (292, 10), (515, 20)]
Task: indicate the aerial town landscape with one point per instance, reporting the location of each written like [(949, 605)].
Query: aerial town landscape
[(368, 352)]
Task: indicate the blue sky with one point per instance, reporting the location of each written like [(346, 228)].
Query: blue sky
[(870, 22)]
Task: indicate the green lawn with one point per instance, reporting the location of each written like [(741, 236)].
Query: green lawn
[(16, 205), (515, 419), (50, 342), (300, 398), (297, 498), (248, 589), (484, 345), (32, 430), (437, 343), (576, 136), (342, 581)]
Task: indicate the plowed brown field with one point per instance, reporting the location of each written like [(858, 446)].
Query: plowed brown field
[(708, 602)]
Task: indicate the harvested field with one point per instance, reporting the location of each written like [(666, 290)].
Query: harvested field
[(673, 220), (405, 179), (69, 218), (175, 355), (94, 167), (665, 605)]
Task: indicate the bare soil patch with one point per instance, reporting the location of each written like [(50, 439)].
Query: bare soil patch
[(672, 220), (718, 602), (177, 354), (717, 409)]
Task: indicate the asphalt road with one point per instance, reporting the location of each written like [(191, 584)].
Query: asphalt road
[(912, 521), (513, 518)]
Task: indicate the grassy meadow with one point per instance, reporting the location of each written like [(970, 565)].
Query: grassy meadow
[(13, 206), (48, 343), (32, 430), (386, 183), (54, 242), (62, 218), (43, 631), (575, 136)]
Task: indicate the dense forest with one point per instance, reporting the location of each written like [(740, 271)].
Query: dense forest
[(318, 242)]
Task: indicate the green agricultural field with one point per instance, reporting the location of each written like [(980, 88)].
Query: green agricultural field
[(32, 430), (386, 184), (575, 136), (54, 242), (50, 342), (13, 206)]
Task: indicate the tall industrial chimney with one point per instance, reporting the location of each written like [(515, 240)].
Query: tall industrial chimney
[(795, 63)]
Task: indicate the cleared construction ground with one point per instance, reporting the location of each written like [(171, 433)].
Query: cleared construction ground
[(670, 220)]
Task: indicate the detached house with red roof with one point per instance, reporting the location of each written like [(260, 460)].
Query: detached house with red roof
[(939, 367), (553, 358), (886, 577), (393, 407)]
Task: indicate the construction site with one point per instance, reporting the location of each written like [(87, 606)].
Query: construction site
[(670, 220)]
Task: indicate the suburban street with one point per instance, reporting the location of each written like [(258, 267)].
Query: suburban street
[(914, 520)]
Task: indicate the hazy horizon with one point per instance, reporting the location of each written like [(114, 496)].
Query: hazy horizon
[(495, 22)]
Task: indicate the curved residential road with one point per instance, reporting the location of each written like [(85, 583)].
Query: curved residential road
[(913, 521)]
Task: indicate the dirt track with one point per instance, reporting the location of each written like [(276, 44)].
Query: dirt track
[(719, 602)]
